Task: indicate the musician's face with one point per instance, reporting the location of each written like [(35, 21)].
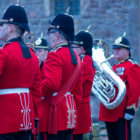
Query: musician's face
[(53, 37), (78, 49), (120, 53), (41, 54), (4, 31)]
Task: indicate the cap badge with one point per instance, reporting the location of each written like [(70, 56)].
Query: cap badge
[(11, 19), (118, 40), (38, 41)]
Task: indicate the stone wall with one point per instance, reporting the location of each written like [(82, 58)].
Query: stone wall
[(109, 18)]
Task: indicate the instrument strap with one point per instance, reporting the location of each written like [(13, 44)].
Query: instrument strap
[(54, 100)]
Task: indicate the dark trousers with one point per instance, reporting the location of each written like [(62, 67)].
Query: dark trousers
[(119, 130), (78, 137), (61, 135), (22, 135)]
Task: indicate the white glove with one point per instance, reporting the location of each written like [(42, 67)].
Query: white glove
[(128, 116)]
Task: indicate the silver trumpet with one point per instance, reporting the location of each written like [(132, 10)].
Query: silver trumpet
[(106, 81)]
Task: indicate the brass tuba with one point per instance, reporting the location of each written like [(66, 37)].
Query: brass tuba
[(106, 81)]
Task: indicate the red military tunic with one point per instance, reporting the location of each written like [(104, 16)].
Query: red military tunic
[(129, 72), (16, 109), (57, 69), (84, 124)]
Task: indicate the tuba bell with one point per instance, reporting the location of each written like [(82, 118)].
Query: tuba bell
[(106, 82), (29, 39)]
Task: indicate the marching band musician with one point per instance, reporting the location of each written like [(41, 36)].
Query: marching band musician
[(42, 50), (83, 47), (19, 77), (118, 120), (62, 82)]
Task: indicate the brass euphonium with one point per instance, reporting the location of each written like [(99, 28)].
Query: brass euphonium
[(29, 39), (106, 81)]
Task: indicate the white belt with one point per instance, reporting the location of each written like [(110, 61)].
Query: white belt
[(14, 90), (54, 94), (67, 93)]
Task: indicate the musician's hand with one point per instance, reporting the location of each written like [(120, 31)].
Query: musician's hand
[(128, 116)]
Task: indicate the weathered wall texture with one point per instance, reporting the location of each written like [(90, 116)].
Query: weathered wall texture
[(109, 19)]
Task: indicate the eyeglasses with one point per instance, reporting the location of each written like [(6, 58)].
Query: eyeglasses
[(51, 31)]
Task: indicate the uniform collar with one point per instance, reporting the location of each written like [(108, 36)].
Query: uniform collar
[(67, 44), (125, 59), (18, 39), (25, 49), (82, 57), (61, 45), (14, 40)]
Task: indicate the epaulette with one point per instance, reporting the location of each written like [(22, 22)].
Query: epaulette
[(124, 60), (132, 61), (55, 49)]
